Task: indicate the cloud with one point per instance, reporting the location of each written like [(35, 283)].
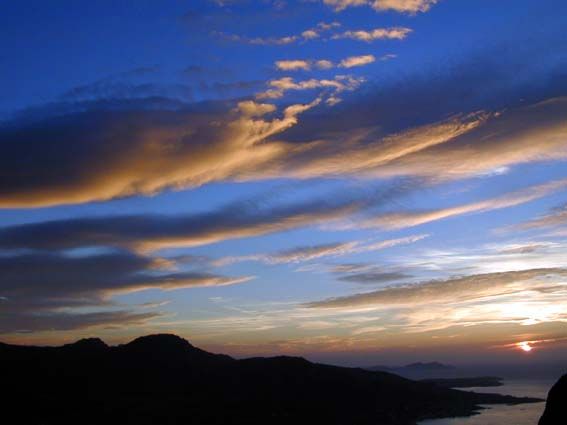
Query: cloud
[(309, 253), (399, 220), (528, 248), (390, 33), (280, 86), (556, 217), (262, 41), (293, 65), (492, 258), (105, 154), (315, 32), (21, 322), (295, 255), (249, 108), (393, 33), (307, 35), (460, 147), (324, 64), (353, 61), (93, 279), (128, 84), (351, 267), (374, 277), (153, 231), (307, 65), (304, 65), (116, 148), (402, 6), (339, 5), (363, 154), (46, 291), (452, 290)]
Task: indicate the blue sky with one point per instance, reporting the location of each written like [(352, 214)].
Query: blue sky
[(344, 178)]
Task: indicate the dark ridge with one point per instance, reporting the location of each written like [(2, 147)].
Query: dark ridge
[(555, 412), (178, 351), (88, 344), (163, 379), (159, 342)]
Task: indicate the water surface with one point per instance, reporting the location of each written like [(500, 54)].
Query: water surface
[(522, 414)]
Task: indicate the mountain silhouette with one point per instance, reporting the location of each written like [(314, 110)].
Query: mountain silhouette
[(87, 345), (555, 412), (163, 379)]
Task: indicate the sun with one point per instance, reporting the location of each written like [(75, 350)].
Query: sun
[(525, 346)]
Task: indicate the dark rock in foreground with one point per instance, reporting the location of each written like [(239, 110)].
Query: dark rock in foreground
[(555, 412), (163, 379)]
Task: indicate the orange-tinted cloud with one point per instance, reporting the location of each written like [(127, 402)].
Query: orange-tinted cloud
[(402, 6), (393, 33), (100, 155)]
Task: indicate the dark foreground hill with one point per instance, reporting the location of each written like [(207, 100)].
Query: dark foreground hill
[(162, 379), (555, 412)]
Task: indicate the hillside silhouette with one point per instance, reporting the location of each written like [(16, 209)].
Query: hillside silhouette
[(163, 379)]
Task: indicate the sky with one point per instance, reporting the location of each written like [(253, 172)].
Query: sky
[(353, 181)]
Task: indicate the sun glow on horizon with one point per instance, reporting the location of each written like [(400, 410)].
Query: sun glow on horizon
[(524, 346)]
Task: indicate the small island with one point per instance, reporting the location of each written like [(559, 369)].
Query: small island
[(469, 382)]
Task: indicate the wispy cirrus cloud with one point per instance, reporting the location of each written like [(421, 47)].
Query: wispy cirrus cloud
[(309, 253), (262, 41), (556, 217), (452, 290), (374, 276), (306, 35), (403, 219), (463, 146)]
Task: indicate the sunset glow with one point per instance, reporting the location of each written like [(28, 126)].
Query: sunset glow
[(525, 346)]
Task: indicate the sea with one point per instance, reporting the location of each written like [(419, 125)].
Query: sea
[(521, 414)]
